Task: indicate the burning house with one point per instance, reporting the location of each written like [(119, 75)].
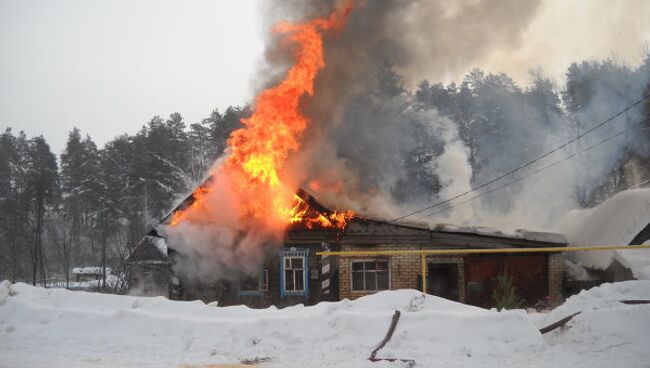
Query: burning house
[(293, 273), (250, 235)]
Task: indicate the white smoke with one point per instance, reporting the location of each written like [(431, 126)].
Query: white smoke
[(452, 166), (222, 242)]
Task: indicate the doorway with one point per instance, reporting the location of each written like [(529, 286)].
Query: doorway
[(442, 280)]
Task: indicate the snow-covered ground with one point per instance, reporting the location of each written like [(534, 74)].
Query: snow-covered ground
[(60, 328)]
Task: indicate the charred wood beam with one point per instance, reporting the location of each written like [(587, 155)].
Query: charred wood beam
[(635, 302), (566, 319), (558, 324)]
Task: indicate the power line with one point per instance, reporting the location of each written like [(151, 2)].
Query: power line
[(526, 164), (537, 171)]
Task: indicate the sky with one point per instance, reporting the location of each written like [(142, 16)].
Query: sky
[(107, 67), (566, 31)]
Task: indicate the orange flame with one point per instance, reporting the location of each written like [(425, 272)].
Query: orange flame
[(198, 205), (302, 213), (259, 151)]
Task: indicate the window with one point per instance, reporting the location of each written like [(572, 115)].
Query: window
[(370, 275), (294, 274), (255, 284)]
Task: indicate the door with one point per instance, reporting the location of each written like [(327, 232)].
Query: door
[(442, 280), (480, 276)]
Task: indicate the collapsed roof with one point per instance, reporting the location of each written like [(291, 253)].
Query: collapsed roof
[(622, 219), (366, 230)]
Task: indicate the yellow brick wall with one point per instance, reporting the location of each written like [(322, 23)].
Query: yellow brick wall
[(404, 269)]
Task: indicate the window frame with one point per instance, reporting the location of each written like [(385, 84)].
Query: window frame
[(294, 254), (262, 284), (364, 260), (294, 271)]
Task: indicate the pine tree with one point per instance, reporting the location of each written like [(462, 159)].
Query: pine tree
[(81, 187), (200, 147), (16, 229), (71, 177), (505, 293), (42, 190), (9, 265)]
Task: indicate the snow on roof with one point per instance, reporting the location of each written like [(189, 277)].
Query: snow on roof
[(637, 260), (159, 243), (576, 272), (614, 222), (543, 236), (533, 235), (90, 270)]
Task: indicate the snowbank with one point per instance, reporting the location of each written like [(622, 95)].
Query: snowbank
[(615, 222), (607, 328), (43, 326), (54, 327)]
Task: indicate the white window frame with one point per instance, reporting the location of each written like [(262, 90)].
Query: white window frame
[(352, 261), (293, 273)]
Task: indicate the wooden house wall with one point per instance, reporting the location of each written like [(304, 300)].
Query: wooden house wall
[(149, 279), (228, 293)]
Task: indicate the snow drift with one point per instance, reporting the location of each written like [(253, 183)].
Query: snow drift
[(606, 328), (121, 330), (54, 327)]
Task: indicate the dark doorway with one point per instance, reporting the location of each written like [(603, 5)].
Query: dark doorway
[(442, 280)]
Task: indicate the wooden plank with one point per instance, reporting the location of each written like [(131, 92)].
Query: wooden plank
[(558, 324), (635, 302)]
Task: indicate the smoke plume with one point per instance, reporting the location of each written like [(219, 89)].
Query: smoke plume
[(376, 145), (366, 125)]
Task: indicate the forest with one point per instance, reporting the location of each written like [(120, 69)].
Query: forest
[(91, 205)]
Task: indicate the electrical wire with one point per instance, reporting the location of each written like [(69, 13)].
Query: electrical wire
[(590, 130), (567, 158)]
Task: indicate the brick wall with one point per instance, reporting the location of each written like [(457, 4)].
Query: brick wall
[(555, 274), (405, 269)]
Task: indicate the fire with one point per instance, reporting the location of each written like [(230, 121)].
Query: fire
[(302, 213), (198, 205), (259, 150)]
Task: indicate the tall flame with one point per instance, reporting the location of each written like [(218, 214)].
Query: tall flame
[(259, 150)]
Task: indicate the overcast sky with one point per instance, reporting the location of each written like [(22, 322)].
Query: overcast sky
[(107, 67)]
